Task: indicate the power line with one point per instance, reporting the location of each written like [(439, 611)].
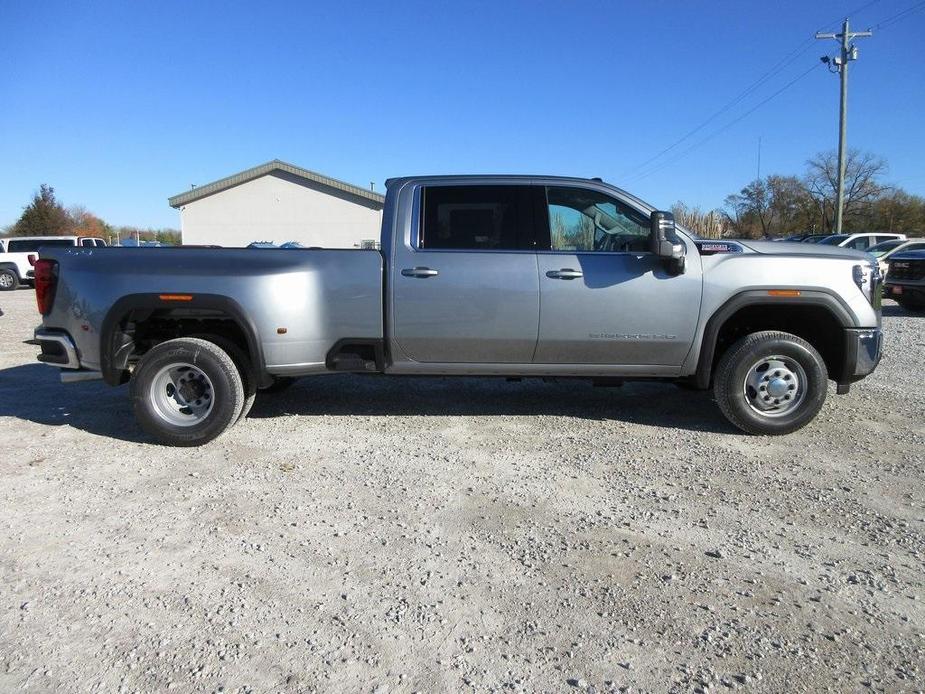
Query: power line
[(728, 125), (852, 12), (786, 61), (896, 17), (802, 48)]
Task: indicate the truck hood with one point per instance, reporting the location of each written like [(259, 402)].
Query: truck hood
[(812, 249), (908, 255)]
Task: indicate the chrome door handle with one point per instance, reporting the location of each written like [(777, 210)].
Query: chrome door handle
[(565, 274), (422, 272)]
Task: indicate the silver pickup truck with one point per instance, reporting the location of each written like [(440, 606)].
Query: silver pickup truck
[(514, 276)]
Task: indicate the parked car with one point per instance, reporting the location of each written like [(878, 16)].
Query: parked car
[(860, 242), (814, 238), (885, 250), (906, 280), (795, 238), (133, 243), (478, 276), (16, 251)]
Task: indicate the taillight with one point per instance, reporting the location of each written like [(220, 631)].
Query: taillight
[(46, 281), (32, 257)]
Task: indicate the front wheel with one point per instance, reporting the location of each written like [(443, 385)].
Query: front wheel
[(186, 392), (770, 383)]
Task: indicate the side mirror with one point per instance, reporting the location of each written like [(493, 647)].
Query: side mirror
[(664, 242)]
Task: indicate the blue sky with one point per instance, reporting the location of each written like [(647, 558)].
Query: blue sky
[(119, 105)]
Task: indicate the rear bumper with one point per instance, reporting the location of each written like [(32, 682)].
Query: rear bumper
[(57, 348), (863, 349)]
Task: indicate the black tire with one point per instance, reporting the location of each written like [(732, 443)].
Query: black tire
[(9, 280), (732, 389), (241, 360), (280, 383), (225, 391), (911, 305)]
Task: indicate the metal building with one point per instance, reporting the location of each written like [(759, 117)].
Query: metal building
[(279, 202)]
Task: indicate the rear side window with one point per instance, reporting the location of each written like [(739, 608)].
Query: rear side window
[(32, 245), (478, 218)]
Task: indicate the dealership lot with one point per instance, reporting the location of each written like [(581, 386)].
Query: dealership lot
[(372, 534)]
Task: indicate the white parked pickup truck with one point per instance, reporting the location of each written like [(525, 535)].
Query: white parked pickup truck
[(19, 252)]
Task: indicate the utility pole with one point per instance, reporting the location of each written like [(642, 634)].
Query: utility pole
[(847, 53)]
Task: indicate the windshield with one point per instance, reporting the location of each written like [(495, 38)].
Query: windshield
[(883, 247), (834, 240)]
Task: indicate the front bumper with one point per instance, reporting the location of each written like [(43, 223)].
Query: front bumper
[(910, 289), (863, 349)]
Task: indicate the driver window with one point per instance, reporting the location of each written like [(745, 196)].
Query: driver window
[(582, 220)]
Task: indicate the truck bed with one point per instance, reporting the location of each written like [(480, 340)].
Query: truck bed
[(297, 303)]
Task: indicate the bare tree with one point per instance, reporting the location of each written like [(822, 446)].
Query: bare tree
[(773, 206), (897, 211), (751, 210), (862, 188), (792, 207)]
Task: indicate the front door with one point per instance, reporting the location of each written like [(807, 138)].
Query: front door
[(464, 285), (605, 299)]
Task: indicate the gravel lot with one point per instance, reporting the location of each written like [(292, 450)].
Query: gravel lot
[(365, 534)]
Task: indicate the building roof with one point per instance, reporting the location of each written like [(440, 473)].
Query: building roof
[(264, 169)]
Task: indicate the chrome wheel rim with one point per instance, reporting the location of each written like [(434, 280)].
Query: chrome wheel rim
[(6, 280), (182, 395), (775, 386)]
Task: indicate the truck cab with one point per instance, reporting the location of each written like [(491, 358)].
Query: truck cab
[(538, 275)]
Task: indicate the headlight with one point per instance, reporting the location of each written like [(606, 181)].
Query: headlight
[(868, 279)]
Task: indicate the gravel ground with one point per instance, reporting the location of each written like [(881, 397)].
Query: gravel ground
[(366, 534)]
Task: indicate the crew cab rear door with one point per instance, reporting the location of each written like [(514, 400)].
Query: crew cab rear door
[(464, 283), (604, 297)]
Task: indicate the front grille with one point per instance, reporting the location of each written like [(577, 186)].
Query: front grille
[(906, 270)]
